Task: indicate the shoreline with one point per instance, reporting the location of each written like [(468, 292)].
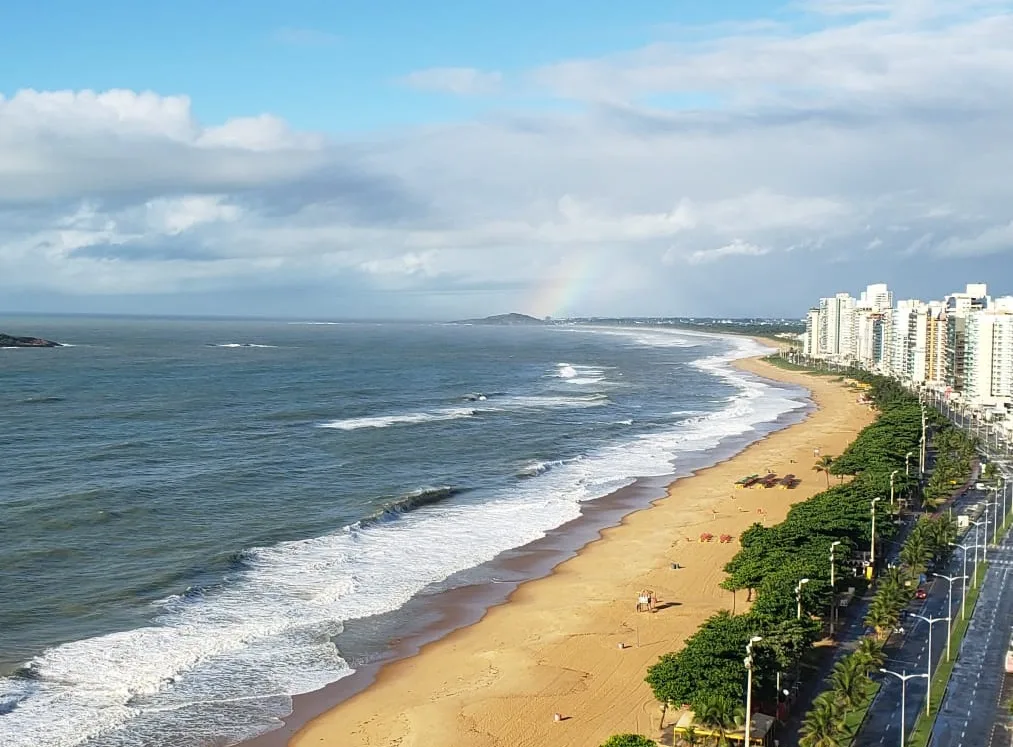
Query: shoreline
[(537, 643)]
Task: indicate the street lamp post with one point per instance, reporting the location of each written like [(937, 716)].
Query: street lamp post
[(977, 544), (798, 595), (833, 586), (921, 456), (903, 677), (949, 608), (892, 474), (907, 463), (931, 621), (963, 596), (748, 661), (872, 554), (995, 522)]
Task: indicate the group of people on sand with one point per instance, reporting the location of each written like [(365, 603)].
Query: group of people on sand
[(647, 601)]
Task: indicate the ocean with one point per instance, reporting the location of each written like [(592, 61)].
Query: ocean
[(192, 512)]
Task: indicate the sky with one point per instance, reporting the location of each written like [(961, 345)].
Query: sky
[(433, 160)]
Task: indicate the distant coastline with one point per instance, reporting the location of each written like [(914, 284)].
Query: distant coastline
[(512, 319), (12, 341)]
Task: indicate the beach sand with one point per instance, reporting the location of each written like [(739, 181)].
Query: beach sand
[(554, 646)]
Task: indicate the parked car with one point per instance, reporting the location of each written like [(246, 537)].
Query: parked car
[(920, 594)]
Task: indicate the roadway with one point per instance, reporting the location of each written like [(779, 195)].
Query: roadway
[(971, 714), (906, 652)]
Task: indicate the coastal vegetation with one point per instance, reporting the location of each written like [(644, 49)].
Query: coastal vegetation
[(785, 571), (955, 452), (629, 740)]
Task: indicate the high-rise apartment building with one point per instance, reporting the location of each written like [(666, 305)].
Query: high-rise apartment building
[(907, 346), (958, 307), (836, 335), (876, 297), (962, 344), (810, 342), (989, 355)]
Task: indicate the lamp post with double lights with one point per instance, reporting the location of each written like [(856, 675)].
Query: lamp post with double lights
[(833, 586), (963, 551), (748, 661), (995, 522), (798, 595), (903, 677), (977, 544), (949, 608), (921, 456), (931, 621), (872, 553)]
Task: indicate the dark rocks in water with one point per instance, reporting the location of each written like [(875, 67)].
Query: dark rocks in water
[(9, 341), (506, 319)]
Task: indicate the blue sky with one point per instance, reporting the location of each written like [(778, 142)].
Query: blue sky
[(435, 160), (333, 66)]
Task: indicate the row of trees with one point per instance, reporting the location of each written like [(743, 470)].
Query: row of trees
[(928, 543), (826, 723), (850, 687), (955, 453), (707, 673)]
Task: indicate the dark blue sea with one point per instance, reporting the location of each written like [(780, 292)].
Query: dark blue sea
[(191, 511)]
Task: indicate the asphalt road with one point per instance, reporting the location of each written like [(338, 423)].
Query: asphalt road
[(907, 653), (971, 714)]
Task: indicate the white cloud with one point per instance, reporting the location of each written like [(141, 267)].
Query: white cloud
[(992, 240), (895, 139), (463, 81), (737, 248)]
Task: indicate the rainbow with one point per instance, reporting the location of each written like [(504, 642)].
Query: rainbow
[(563, 286)]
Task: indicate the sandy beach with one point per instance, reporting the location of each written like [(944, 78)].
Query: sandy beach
[(554, 647)]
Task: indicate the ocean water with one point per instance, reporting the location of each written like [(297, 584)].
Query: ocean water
[(191, 511)]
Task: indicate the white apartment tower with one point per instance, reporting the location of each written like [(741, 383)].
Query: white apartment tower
[(871, 327), (959, 306), (989, 355), (836, 335), (876, 297), (810, 342), (904, 341)]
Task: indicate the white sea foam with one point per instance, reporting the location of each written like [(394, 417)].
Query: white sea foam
[(241, 345), (410, 418), (579, 375), (226, 660), (499, 404)]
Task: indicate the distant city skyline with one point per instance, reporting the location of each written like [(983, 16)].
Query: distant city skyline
[(436, 161), (960, 345)]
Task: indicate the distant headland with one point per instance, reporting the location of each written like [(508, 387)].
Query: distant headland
[(504, 319), (10, 341)]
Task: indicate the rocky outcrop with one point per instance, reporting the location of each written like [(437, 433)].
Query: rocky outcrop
[(505, 319), (10, 341)]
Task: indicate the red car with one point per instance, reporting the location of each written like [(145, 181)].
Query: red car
[(920, 594)]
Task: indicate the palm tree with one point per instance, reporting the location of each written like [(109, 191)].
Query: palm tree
[(882, 617), (823, 465), (893, 576), (916, 554), (849, 682), (720, 715), (690, 737), (869, 655), (823, 725)]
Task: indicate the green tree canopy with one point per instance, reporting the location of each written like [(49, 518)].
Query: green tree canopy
[(629, 740)]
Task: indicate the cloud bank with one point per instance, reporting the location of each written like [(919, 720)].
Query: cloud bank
[(683, 177)]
